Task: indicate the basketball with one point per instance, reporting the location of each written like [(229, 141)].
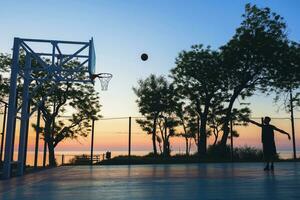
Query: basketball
[(144, 57)]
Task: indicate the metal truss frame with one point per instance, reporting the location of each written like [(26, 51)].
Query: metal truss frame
[(54, 70)]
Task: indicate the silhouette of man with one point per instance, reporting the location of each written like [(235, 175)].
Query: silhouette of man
[(267, 139)]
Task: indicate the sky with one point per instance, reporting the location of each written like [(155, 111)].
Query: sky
[(122, 30)]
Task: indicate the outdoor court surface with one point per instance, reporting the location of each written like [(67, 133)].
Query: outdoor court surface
[(185, 181)]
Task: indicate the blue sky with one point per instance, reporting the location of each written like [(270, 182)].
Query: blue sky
[(122, 30)]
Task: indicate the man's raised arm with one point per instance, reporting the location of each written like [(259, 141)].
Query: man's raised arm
[(253, 122), (282, 131)]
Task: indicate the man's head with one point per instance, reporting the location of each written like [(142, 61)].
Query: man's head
[(267, 120)]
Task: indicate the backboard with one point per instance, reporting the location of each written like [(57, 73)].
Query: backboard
[(92, 59)]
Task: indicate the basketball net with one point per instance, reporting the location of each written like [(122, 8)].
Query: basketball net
[(104, 80)]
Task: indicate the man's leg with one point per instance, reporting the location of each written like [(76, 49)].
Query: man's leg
[(267, 165), (272, 163)]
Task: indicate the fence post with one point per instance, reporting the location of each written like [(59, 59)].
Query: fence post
[(198, 135), (14, 130), (129, 138), (231, 139), (293, 124), (92, 141), (26, 137)]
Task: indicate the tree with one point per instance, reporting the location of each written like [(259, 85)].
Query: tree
[(168, 120), (5, 63), (255, 48), (285, 79), (188, 120), (156, 101), (150, 93), (81, 98), (215, 119), (198, 76), (166, 127), (148, 127)]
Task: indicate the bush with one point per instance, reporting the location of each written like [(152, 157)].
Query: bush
[(151, 154), (217, 152), (247, 153)]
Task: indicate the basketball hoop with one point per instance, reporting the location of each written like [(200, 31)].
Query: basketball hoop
[(104, 79)]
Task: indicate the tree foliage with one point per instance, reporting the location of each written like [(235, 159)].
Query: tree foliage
[(255, 49), (5, 62), (198, 76), (156, 100)]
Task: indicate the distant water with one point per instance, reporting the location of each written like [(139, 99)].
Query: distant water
[(68, 155), (285, 154)]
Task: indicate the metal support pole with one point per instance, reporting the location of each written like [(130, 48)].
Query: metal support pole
[(3, 129), (14, 130), (129, 138), (231, 139), (26, 136), (36, 151), (11, 110), (293, 124), (24, 116), (92, 141)]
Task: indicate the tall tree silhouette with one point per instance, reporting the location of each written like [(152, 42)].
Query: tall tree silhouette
[(198, 76), (255, 48), (150, 93)]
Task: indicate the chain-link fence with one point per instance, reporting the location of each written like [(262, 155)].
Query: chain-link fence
[(113, 135)]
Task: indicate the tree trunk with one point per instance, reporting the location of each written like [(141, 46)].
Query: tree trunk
[(216, 136), (185, 137), (48, 137), (215, 141), (166, 141), (190, 145), (203, 136), (168, 147), (154, 136), (52, 162), (160, 148), (197, 139), (227, 119), (186, 146)]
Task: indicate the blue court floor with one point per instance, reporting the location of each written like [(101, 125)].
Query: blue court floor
[(188, 181)]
